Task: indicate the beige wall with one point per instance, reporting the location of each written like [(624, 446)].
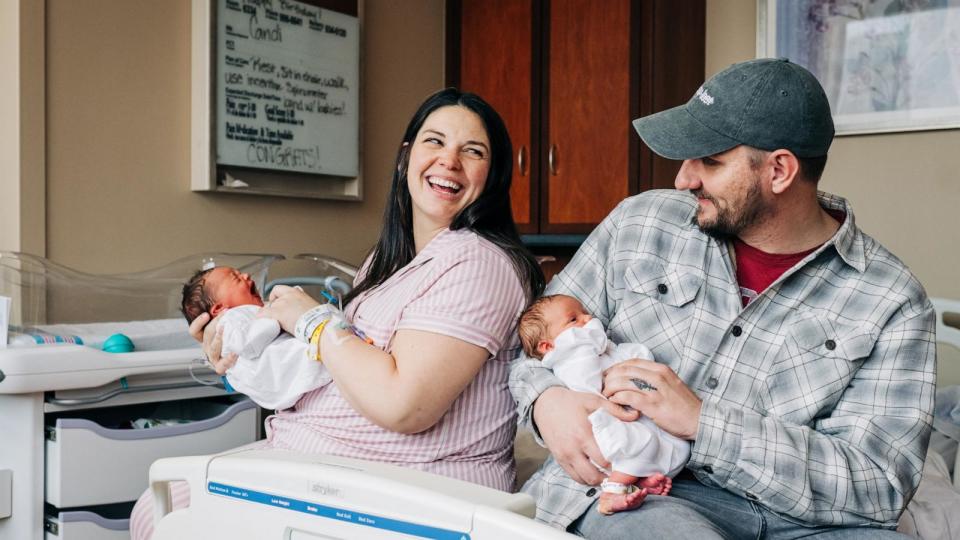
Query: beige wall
[(117, 159), (118, 138), (904, 187), (22, 130), (9, 130)]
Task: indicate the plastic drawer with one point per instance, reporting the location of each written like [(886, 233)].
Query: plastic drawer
[(89, 464), (83, 525)]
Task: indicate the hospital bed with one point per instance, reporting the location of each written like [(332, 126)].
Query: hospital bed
[(71, 462), (291, 496)]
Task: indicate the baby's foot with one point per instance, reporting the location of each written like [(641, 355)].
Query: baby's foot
[(656, 484), (611, 502)]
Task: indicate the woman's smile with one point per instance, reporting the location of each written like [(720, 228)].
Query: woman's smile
[(444, 186)]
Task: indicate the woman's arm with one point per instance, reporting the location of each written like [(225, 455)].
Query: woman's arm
[(406, 391)]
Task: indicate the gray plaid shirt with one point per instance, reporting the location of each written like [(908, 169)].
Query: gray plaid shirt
[(817, 396)]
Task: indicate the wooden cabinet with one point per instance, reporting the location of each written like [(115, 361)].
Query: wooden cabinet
[(568, 76)]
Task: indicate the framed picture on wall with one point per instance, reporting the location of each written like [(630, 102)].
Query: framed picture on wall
[(886, 65)]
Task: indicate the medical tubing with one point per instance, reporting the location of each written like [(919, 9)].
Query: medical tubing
[(336, 285), (202, 363)]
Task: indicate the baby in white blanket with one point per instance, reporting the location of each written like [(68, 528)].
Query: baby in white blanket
[(643, 457), (272, 367)]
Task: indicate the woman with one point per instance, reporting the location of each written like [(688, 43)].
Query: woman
[(438, 296)]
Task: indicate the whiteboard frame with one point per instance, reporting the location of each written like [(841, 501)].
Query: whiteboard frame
[(203, 161)]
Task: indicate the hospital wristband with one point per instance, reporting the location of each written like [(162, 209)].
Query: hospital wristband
[(314, 350), (308, 322)]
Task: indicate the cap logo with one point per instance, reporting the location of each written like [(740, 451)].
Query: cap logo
[(704, 96)]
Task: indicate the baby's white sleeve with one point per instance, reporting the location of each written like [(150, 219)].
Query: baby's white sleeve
[(629, 351), (280, 375), (234, 325), (578, 366), (260, 333), (272, 369), (245, 334)]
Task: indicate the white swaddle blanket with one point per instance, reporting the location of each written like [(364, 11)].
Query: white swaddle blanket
[(640, 448), (273, 368)]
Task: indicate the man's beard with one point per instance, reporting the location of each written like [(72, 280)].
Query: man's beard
[(731, 221)]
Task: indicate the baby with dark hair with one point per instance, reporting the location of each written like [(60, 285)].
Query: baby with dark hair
[(558, 330), (272, 367), (214, 289)]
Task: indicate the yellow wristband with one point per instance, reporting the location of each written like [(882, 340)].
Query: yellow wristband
[(314, 350)]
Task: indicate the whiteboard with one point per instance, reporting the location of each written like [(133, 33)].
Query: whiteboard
[(287, 87)]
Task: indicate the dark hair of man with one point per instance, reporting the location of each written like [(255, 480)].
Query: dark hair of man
[(489, 216), (810, 168), (195, 299)]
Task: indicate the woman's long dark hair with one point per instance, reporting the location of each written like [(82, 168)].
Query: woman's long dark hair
[(489, 216)]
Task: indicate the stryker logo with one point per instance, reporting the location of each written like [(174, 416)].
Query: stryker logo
[(703, 96), (325, 490)]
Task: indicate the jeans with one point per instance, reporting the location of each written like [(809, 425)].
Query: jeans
[(694, 510)]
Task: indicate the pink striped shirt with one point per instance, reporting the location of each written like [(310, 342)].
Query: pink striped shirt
[(460, 285)]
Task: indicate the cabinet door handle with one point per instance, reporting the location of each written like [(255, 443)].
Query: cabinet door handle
[(552, 159), (522, 160)]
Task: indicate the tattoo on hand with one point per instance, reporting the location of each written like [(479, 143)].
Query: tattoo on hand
[(643, 385)]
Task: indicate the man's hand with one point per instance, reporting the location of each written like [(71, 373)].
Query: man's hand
[(560, 415), (657, 392)]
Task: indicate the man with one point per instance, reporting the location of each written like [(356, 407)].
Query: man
[(794, 352)]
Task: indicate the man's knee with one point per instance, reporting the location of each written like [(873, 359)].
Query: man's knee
[(659, 517), (858, 533)]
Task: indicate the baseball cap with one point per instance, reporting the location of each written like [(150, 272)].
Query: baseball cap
[(765, 103)]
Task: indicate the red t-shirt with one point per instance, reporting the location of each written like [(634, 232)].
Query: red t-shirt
[(756, 269)]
